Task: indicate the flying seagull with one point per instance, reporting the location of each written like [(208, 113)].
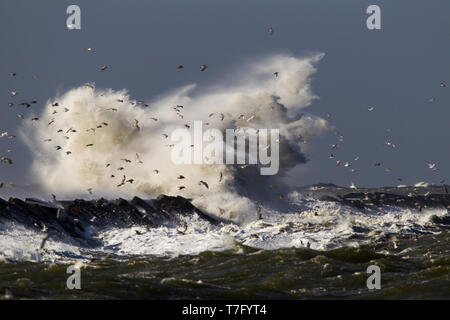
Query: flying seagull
[(123, 181), (41, 247), (184, 231), (432, 166), (201, 182), (136, 124), (6, 160)]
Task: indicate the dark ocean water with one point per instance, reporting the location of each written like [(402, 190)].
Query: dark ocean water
[(419, 268)]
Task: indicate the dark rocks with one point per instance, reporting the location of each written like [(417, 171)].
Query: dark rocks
[(367, 199), (171, 205), (330, 198), (81, 219), (443, 221)]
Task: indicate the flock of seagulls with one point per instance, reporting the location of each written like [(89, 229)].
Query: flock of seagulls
[(334, 146), (178, 112), (58, 108), (26, 104)]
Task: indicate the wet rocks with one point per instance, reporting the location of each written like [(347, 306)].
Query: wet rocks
[(171, 205), (81, 219), (362, 200)]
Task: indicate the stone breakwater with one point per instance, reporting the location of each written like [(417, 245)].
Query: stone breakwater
[(81, 219)]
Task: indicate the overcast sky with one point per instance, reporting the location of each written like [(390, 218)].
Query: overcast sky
[(395, 69)]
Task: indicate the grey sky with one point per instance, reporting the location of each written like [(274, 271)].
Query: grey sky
[(396, 69)]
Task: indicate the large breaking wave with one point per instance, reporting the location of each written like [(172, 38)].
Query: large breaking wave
[(102, 127)]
